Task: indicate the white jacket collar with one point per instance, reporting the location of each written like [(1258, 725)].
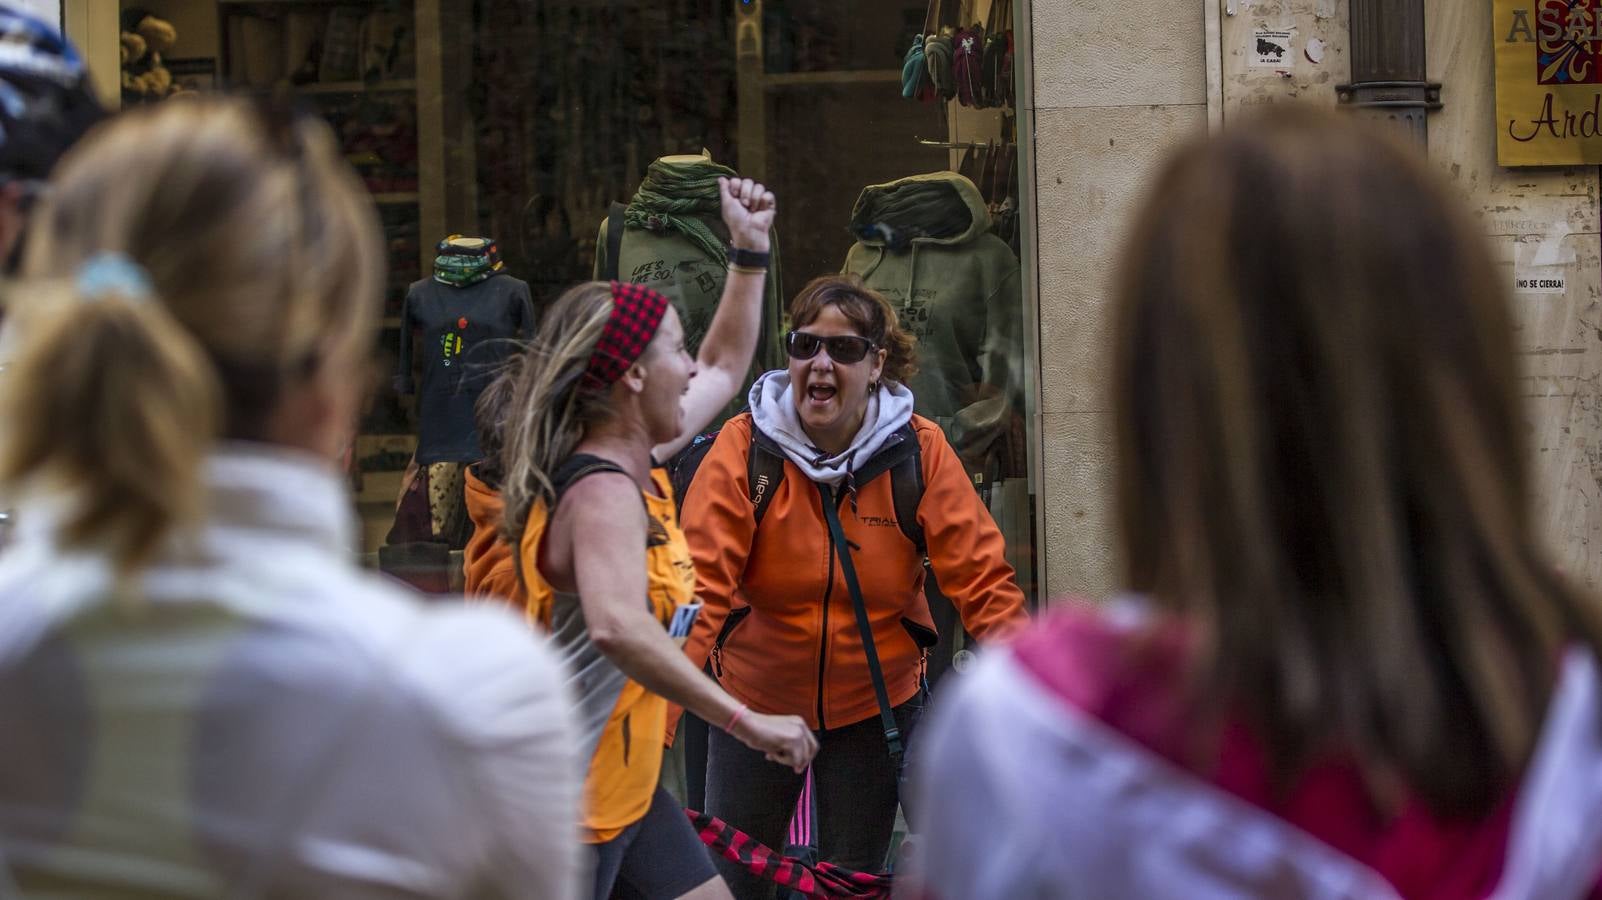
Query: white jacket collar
[(251, 488)]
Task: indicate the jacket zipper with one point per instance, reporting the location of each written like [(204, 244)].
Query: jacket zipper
[(823, 642)]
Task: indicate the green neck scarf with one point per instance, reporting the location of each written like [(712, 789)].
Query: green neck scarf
[(465, 261), (680, 198)]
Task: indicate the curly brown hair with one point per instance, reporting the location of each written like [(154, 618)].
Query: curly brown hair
[(868, 311)]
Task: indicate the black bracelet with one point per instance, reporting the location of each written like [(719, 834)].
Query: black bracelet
[(749, 259)]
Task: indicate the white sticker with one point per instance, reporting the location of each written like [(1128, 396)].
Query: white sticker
[(1314, 51), (1541, 260), (1536, 281), (1270, 49)]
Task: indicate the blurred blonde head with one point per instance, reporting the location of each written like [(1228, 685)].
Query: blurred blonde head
[(1322, 460), (264, 265)]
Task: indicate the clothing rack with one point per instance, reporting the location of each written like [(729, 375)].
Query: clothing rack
[(957, 145)]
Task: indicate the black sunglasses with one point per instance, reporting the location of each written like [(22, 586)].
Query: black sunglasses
[(845, 349)]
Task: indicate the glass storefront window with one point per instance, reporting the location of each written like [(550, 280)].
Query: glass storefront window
[(523, 122)]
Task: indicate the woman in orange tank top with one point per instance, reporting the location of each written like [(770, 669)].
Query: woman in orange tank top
[(607, 389)]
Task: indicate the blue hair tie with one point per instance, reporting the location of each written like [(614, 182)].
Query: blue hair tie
[(114, 273)]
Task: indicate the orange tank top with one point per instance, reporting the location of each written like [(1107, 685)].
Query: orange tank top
[(620, 723)]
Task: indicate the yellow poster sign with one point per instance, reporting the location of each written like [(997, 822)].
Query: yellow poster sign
[(1548, 82)]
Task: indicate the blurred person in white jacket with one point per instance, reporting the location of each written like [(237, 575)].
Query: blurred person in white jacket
[(1344, 667), (200, 693)]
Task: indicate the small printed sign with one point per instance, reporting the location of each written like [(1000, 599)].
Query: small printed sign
[(1270, 49), (1538, 282)]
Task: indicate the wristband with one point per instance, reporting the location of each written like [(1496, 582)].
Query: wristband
[(752, 259), (747, 270), (735, 719)]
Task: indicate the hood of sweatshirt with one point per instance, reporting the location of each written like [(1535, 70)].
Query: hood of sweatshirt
[(773, 411), (1119, 820), (939, 208)]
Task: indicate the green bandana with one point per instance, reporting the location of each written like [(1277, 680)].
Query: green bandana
[(679, 198)]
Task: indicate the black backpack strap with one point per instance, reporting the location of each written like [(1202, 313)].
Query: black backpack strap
[(764, 470), (906, 492), (684, 464), (902, 457), (614, 242), (842, 549), (577, 467)]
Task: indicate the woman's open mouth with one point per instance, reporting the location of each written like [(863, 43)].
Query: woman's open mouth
[(821, 393)]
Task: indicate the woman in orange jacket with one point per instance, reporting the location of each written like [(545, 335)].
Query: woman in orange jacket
[(779, 619)]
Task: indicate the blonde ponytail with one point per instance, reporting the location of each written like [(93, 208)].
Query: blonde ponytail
[(549, 411), (257, 258), (111, 403)]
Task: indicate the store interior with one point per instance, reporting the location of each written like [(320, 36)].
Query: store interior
[(522, 122)]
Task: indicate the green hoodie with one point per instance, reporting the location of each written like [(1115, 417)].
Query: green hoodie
[(924, 242)]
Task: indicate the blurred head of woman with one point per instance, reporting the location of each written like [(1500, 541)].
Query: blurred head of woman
[(200, 270), (844, 340), (1322, 459)]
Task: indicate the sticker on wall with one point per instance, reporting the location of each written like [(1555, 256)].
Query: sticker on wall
[(1271, 49), (1539, 281), (1541, 260)]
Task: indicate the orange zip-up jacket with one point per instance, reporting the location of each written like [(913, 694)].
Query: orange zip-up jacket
[(777, 617), (487, 565)]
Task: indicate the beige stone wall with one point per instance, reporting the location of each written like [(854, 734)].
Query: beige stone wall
[(1116, 84), (1533, 214), (1110, 99)]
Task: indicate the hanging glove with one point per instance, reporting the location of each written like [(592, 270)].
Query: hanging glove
[(967, 66), (938, 51), (914, 75)]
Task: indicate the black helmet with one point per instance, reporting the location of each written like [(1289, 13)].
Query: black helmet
[(46, 100)]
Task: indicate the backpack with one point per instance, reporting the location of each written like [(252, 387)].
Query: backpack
[(902, 457)]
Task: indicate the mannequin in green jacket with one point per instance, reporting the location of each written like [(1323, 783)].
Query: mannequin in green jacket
[(924, 242), (675, 243)]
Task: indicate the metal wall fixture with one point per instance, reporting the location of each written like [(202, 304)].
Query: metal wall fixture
[(1388, 66)]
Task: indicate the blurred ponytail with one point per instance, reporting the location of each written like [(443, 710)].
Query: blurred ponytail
[(192, 262), (111, 403)]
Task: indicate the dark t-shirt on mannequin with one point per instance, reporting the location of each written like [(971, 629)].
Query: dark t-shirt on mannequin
[(466, 333)]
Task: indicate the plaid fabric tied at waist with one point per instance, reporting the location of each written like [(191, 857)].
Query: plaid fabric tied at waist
[(637, 312), (821, 881)]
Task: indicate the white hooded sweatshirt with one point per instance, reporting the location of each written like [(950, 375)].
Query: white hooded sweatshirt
[(773, 411), (1021, 793)]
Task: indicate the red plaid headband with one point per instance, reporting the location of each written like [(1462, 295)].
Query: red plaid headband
[(637, 312)]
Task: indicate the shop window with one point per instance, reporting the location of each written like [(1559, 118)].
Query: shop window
[(523, 121)]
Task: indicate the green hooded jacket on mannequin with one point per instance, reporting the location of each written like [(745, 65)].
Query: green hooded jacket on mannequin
[(924, 242), (674, 241)]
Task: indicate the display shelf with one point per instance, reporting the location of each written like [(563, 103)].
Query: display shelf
[(838, 76), (398, 86)]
